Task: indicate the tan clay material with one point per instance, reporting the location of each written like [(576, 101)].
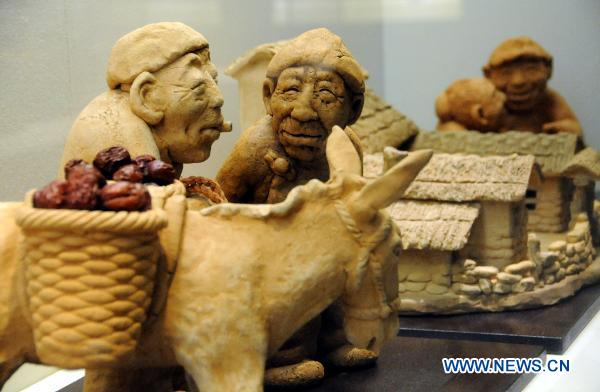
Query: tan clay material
[(521, 68), (472, 104), (550, 200), (467, 222), (90, 278), (312, 84), (379, 124), (163, 99), (229, 308)]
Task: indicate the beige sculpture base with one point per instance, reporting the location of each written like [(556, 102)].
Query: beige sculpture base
[(451, 303)]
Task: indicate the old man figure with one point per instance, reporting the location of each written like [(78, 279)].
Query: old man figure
[(312, 84), (521, 68), (163, 99)]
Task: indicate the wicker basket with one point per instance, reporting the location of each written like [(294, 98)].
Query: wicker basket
[(90, 276)]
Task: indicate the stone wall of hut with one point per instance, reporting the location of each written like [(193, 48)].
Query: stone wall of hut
[(499, 235), (424, 270), (551, 211), (562, 259)]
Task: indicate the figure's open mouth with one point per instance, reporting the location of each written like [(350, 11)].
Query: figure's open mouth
[(520, 97)]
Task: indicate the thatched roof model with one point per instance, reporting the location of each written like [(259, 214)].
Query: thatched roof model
[(457, 178), (552, 152), (433, 225), (462, 178), (586, 163), (373, 165), (381, 125)]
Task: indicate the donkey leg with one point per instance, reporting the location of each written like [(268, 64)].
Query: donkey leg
[(239, 372), (226, 356)]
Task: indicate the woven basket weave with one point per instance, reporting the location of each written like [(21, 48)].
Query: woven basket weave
[(90, 276)]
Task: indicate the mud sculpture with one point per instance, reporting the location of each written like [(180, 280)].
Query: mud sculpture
[(467, 222), (163, 99), (312, 84), (379, 124), (521, 68), (473, 104), (228, 308)]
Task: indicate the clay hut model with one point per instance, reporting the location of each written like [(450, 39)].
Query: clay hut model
[(463, 225), (568, 174), (379, 125), (463, 207)]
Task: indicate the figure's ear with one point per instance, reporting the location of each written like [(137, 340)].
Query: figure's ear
[(478, 114), (268, 89), (140, 99), (341, 153), (358, 100), (487, 71)]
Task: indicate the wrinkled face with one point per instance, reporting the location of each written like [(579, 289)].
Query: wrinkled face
[(523, 81), (191, 102), (305, 104)]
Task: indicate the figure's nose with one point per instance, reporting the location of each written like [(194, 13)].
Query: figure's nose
[(216, 97), (518, 79), (303, 110)]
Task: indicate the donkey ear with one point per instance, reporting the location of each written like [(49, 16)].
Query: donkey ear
[(341, 153), (391, 186)]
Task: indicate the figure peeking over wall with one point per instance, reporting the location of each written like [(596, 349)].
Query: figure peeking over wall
[(521, 68), (472, 104)]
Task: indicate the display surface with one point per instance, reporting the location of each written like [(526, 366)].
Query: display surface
[(414, 364), (554, 327)]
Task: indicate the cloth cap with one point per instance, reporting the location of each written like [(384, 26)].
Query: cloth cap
[(150, 48), (319, 47), (515, 48)]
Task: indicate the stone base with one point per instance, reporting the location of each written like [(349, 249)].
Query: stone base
[(553, 327), (451, 303), (415, 364)]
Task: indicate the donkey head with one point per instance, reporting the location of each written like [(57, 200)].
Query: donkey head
[(371, 283)]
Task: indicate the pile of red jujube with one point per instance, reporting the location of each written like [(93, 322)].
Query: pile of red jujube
[(85, 185)]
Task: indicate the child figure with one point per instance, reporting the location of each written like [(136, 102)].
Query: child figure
[(472, 104)]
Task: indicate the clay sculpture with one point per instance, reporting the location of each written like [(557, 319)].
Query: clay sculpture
[(163, 99), (521, 68), (379, 124), (312, 84), (228, 308), (473, 104)]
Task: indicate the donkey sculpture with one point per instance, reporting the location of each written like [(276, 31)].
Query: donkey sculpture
[(248, 276)]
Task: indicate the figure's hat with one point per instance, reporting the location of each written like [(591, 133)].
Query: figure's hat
[(150, 48)]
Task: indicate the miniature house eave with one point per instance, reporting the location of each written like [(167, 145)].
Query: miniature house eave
[(585, 164), (461, 178), (552, 151), (434, 225)]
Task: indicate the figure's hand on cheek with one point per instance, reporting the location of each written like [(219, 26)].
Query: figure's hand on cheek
[(567, 126)]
